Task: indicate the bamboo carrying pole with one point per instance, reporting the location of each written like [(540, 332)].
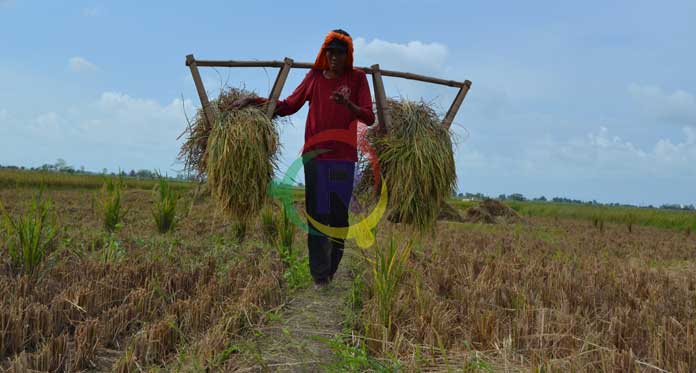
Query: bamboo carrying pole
[(207, 110), (278, 86), (383, 117), (452, 112), (307, 65), (287, 63)]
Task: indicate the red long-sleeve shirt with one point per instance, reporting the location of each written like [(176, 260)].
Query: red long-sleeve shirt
[(325, 113)]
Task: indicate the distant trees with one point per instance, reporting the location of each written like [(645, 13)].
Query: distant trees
[(145, 174), (62, 166), (517, 197), (565, 200), (673, 206)]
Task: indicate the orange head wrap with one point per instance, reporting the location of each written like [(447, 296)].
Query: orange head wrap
[(322, 62)]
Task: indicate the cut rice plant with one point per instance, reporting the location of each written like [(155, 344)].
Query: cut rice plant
[(164, 211), (31, 236), (417, 163), (241, 161), (296, 269), (237, 153), (388, 268), (108, 203), (114, 183), (112, 252), (239, 231), (286, 230), (193, 150), (268, 223)]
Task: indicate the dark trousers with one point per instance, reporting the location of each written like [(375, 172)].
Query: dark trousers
[(328, 189)]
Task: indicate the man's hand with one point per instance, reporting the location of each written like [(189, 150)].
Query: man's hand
[(340, 97), (343, 99), (242, 102)]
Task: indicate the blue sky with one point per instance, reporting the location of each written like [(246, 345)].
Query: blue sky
[(589, 100)]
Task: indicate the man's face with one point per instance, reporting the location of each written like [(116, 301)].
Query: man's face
[(336, 58)]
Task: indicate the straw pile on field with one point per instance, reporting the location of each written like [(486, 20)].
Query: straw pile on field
[(416, 162), (237, 153), (490, 211)]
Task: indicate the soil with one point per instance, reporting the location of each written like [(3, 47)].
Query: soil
[(298, 340)]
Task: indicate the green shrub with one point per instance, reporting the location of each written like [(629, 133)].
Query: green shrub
[(387, 269), (296, 274), (109, 202), (31, 236), (164, 211)]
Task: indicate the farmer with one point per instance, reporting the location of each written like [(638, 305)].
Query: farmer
[(338, 96)]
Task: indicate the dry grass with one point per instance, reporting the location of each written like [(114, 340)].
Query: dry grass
[(557, 295), (552, 294), (193, 290)]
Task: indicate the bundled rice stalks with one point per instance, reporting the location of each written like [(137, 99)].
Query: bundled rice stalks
[(197, 132), (238, 154), (417, 163)]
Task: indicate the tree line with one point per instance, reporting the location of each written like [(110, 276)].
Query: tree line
[(519, 197), (62, 166)]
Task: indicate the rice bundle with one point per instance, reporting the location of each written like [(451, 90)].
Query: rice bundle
[(417, 163), (192, 151), (237, 154)]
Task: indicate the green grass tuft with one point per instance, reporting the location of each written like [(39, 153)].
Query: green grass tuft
[(31, 236), (164, 211), (109, 202)]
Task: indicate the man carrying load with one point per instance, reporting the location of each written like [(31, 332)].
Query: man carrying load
[(338, 95)]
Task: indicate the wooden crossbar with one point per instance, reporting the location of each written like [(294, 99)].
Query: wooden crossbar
[(287, 63)]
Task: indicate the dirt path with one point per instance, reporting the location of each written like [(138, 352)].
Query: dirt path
[(296, 342)]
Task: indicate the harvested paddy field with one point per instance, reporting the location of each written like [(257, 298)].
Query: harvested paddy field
[(537, 292)]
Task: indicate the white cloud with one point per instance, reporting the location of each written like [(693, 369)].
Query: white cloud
[(115, 130), (121, 119), (49, 119), (680, 153), (80, 64), (90, 12), (676, 107), (414, 56), (601, 154), (598, 165)]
